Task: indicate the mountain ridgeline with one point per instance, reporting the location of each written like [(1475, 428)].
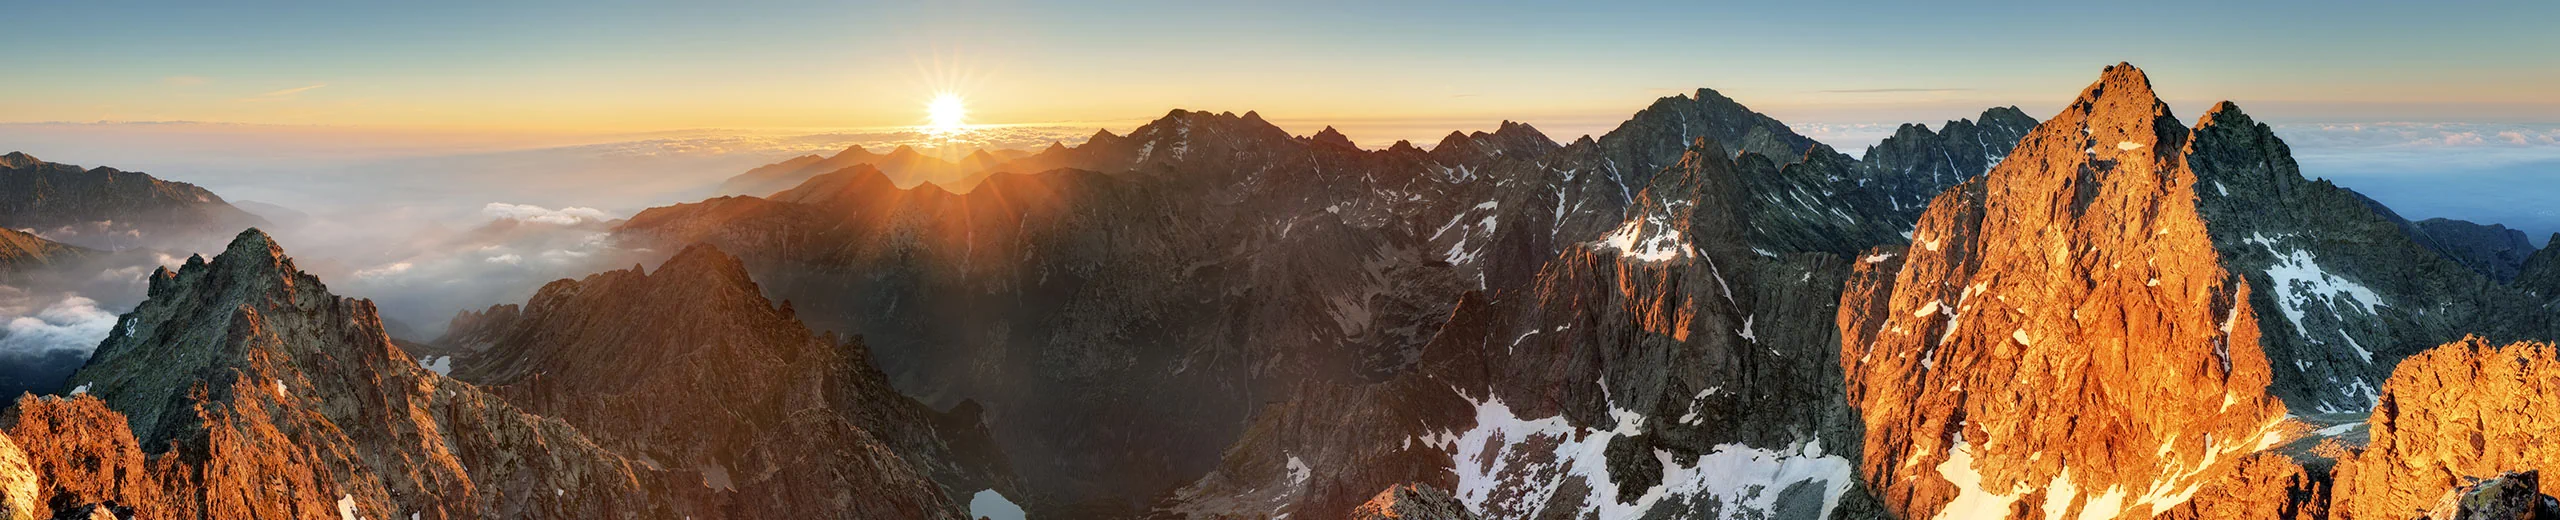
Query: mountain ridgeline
[(108, 209), (1124, 316), (1697, 314)]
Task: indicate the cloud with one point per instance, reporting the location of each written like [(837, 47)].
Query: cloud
[(70, 323), (384, 270), (285, 94), (532, 213)]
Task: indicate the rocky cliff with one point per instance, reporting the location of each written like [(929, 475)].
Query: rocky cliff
[(2060, 338), (250, 390), (2344, 291), (2118, 318), (2467, 411)]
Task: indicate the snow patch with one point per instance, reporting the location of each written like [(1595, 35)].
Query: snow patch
[(347, 507), (1971, 500), (1298, 471), (1502, 473), (2128, 145), (1649, 239), (2299, 281)]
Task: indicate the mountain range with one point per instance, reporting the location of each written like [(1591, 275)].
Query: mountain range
[(1701, 313)]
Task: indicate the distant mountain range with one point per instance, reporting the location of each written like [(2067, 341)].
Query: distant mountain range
[(109, 209), (1698, 314)]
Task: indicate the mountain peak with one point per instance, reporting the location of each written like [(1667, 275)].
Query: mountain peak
[(703, 261), (1330, 136), (253, 239), (2121, 81), (18, 160), (1450, 143), (2224, 113)]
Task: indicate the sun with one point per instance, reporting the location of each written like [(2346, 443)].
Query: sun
[(946, 114)]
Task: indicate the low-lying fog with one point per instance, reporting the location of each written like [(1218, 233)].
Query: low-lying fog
[(424, 225)]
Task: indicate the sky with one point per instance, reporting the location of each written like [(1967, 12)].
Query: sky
[(1399, 70)]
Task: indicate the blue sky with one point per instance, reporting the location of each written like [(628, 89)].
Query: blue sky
[(320, 89), (637, 66)]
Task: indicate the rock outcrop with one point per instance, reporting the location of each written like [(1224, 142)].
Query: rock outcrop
[(785, 421), (2503, 497), (2466, 411), (105, 208), (1412, 502), (250, 388)]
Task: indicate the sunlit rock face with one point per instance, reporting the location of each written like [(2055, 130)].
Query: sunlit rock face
[(252, 388), (2450, 416), (2119, 319), (2054, 322)]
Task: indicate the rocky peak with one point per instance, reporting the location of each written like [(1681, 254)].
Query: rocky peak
[(244, 361), (18, 160), (2080, 263), (2357, 288), (204, 319), (1334, 138)]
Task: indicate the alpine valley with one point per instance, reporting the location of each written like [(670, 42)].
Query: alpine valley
[(2112, 312)]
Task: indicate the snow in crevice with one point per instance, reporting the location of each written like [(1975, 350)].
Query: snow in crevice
[(1502, 471), (2299, 281), (1298, 471)]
